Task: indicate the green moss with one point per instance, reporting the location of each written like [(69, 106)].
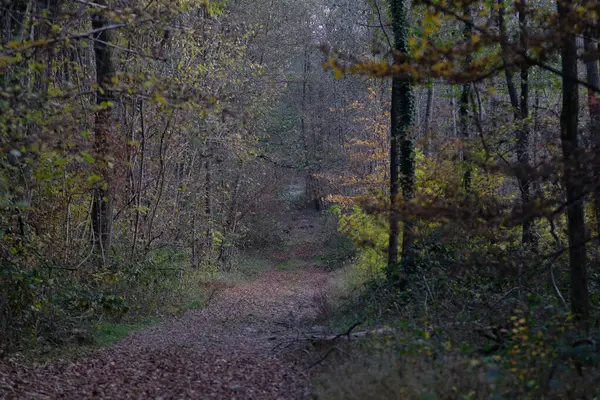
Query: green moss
[(84, 342), (109, 333), (195, 304)]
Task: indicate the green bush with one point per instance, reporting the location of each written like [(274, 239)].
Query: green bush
[(55, 305), (477, 319), (368, 233)]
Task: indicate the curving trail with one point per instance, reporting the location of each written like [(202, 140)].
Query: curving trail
[(225, 351)]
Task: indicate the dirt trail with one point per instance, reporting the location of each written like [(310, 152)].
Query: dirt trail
[(225, 351)]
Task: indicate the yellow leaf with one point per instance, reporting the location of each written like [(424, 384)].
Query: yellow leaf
[(13, 44), (159, 98)]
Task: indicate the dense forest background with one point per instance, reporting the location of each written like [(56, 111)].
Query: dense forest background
[(150, 148)]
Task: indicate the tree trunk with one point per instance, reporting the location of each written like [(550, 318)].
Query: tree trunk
[(463, 109), (393, 241), (402, 156), (574, 180), (520, 106), (102, 194), (309, 144), (593, 78), (208, 208), (231, 217), (528, 237), (140, 179), (427, 121), (453, 128)]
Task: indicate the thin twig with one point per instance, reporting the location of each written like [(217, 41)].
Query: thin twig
[(91, 4), (125, 50), (382, 25), (81, 35), (552, 260)]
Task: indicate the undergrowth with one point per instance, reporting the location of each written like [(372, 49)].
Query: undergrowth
[(54, 312), (471, 323)]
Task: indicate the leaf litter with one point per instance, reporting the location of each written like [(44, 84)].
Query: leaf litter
[(225, 351)]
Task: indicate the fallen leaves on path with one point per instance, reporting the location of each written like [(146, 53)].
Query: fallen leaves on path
[(222, 352)]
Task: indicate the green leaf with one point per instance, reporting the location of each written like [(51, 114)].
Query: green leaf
[(142, 209), (94, 178), (88, 157)]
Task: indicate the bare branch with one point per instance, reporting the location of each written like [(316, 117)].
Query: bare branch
[(74, 36)]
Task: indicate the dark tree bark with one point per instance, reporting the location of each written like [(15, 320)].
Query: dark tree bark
[(427, 120), (309, 139), (102, 194), (510, 83), (520, 106), (208, 207), (402, 156), (393, 241), (574, 179), (463, 109), (528, 237), (593, 78), (525, 182), (231, 217)]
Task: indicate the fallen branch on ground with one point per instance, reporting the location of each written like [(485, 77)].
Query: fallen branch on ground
[(329, 340), (322, 340)]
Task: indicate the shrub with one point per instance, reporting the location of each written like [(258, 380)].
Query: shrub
[(537, 362)]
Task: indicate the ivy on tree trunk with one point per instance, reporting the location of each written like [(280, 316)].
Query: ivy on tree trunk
[(402, 155)]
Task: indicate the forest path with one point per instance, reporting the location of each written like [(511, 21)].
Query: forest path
[(228, 350)]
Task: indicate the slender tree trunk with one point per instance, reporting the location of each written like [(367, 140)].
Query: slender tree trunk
[(454, 127), (195, 258), (593, 79), (520, 106), (160, 182), (427, 121), (574, 179), (529, 237), (102, 194), (394, 240), (140, 179), (208, 206), (309, 144), (463, 119), (402, 156), (231, 216), (463, 109)]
